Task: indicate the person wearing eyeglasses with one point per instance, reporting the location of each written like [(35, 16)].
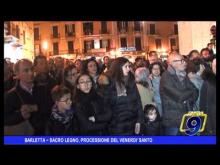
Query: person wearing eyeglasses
[(62, 116), (178, 94), (93, 114)]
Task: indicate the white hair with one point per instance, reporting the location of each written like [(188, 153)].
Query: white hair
[(141, 74)]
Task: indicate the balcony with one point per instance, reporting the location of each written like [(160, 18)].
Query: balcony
[(37, 38), (104, 32), (137, 29), (155, 33), (70, 34), (55, 53), (88, 32), (173, 34), (123, 31), (55, 35)]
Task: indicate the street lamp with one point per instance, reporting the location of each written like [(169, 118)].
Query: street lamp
[(117, 53), (112, 53), (45, 47)]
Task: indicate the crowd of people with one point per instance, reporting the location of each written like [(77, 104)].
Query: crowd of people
[(113, 97)]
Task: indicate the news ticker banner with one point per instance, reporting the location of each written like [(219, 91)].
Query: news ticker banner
[(109, 140)]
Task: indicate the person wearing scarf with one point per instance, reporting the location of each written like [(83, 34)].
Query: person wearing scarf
[(61, 120), (178, 94)]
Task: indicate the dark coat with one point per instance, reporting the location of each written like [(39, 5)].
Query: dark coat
[(208, 102), (178, 97), (9, 84), (44, 100), (57, 126), (41, 96), (88, 105), (126, 110), (13, 101), (152, 128)]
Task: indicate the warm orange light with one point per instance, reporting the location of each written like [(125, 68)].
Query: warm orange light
[(163, 50), (112, 52), (45, 45)]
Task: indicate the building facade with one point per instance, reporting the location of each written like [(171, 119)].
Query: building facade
[(81, 38), (196, 33), (18, 40)]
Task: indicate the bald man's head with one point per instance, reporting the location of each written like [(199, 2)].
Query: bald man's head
[(177, 61)]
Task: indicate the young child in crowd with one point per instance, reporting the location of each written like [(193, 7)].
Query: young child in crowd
[(61, 119), (152, 123)]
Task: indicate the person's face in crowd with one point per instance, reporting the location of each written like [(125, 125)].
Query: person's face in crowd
[(106, 60), (140, 62), (71, 77), (152, 115), (179, 63), (42, 66), (59, 62), (205, 54), (214, 66), (195, 55), (78, 65), (92, 68), (71, 63), (84, 84), (64, 103), (210, 46), (156, 70), (126, 69), (25, 72), (153, 58)]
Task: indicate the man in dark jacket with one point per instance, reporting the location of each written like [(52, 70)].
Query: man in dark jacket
[(178, 94), (208, 99), (43, 84), (20, 102)]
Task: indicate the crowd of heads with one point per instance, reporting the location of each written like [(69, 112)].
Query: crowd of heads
[(87, 75)]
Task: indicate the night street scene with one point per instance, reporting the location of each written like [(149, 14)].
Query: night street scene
[(108, 78)]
